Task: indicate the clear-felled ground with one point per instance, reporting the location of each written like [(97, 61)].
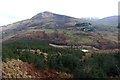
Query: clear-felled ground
[(19, 69)]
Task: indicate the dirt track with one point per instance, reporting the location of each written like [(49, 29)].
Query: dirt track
[(92, 50)]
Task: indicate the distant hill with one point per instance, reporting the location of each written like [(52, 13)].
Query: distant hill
[(111, 20), (90, 18), (42, 20), (47, 26), (55, 21), (50, 15), (51, 20)]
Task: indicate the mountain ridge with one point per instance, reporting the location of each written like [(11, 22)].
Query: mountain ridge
[(44, 19), (47, 14), (109, 19), (48, 19)]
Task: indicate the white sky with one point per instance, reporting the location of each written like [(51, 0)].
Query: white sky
[(16, 10)]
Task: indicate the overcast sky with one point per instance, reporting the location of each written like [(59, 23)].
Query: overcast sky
[(16, 10)]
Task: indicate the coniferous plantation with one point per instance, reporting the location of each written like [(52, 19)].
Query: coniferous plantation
[(59, 59)]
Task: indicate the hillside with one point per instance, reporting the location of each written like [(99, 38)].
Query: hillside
[(110, 21), (66, 30), (44, 19), (51, 20)]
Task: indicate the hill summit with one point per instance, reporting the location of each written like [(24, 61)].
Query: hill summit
[(50, 15), (45, 14)]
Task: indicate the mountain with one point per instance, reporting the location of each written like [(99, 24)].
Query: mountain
[(90, 18), (50, 15), (42, 20), (62, 29), (49, 20), (111, 20)]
